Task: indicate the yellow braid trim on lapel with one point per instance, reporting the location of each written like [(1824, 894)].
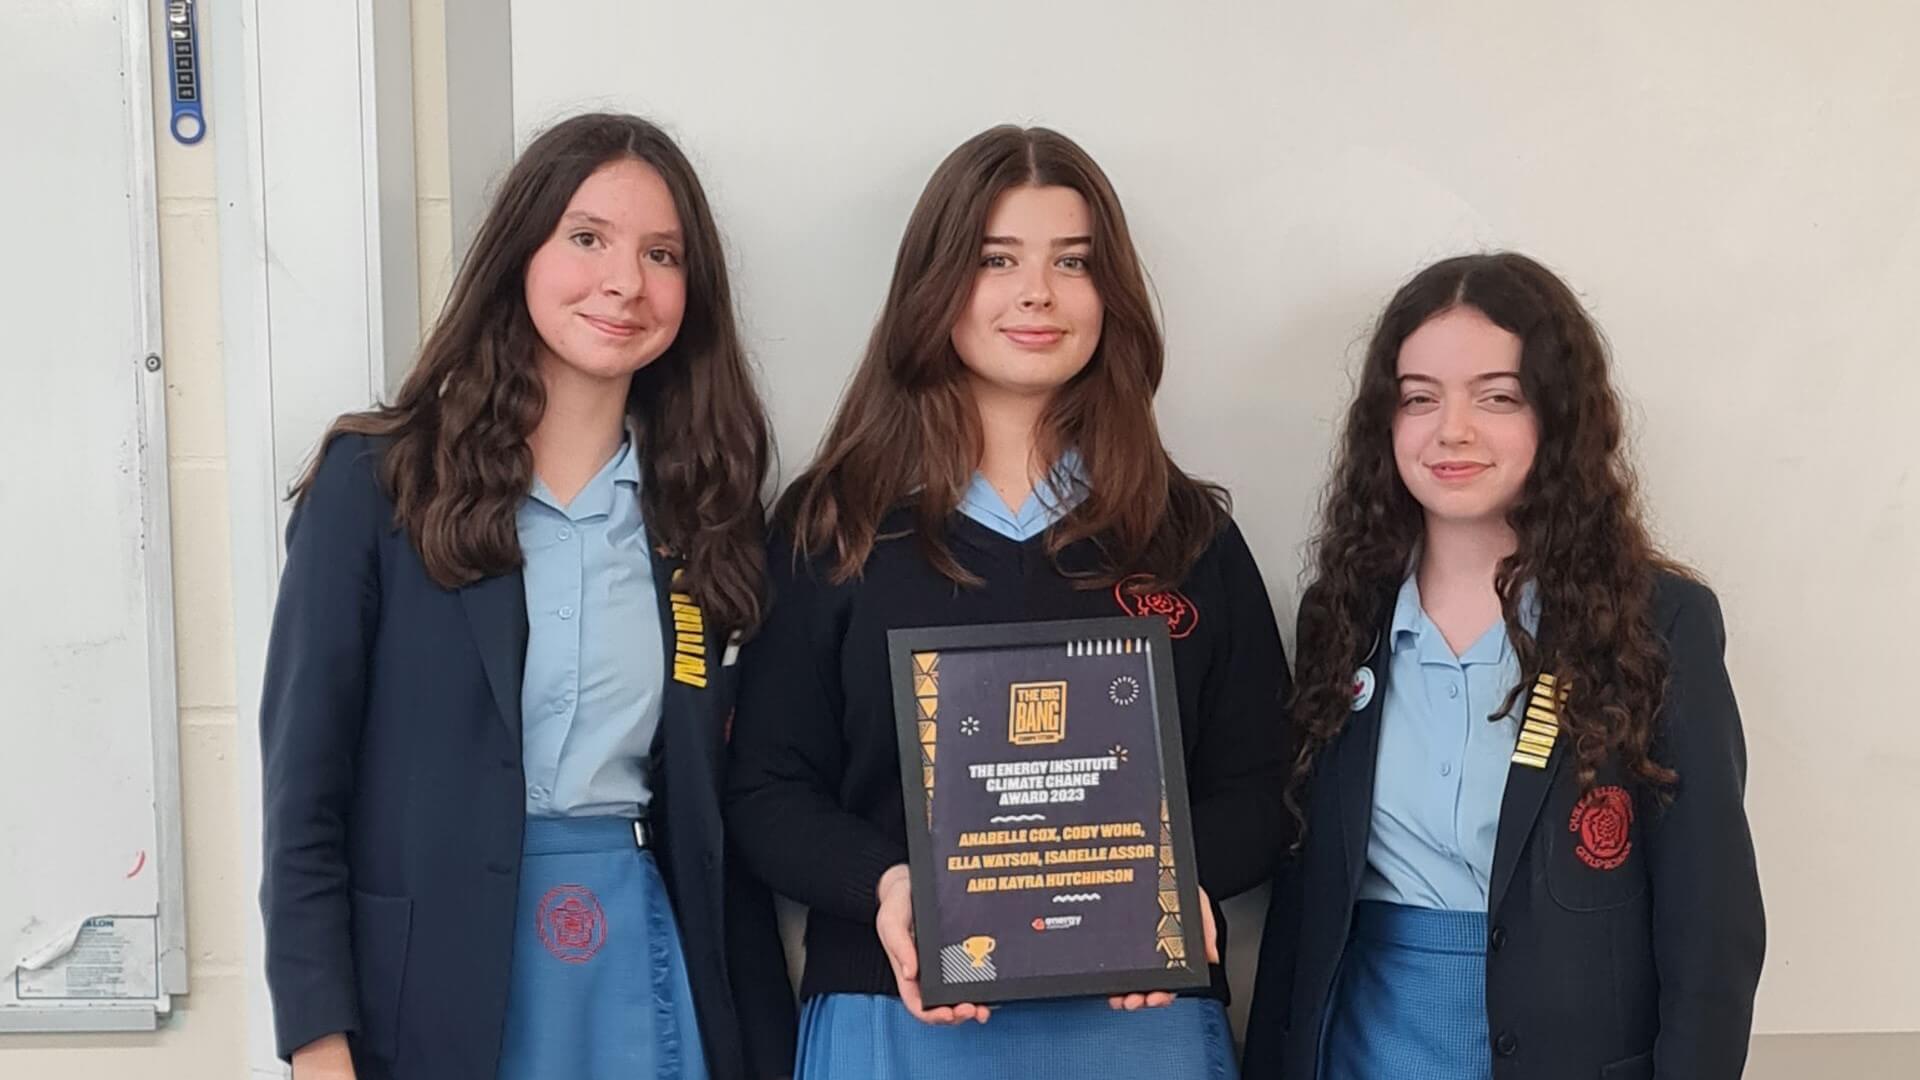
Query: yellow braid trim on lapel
[(689, 637), (1541, 728)]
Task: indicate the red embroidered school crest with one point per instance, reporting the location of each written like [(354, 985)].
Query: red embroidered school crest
[(571, 924), (1604, 822), (1182, 617)]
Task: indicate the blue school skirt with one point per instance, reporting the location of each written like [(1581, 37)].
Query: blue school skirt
[(599, 988), (874, 1037), (1411, 997)]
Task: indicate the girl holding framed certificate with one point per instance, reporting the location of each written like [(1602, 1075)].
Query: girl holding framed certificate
[(995, 459)]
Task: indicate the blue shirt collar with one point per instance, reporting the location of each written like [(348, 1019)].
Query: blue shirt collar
[(1409, 619), (1052, 498), (626, 462), (1411, 627), (622, 471)]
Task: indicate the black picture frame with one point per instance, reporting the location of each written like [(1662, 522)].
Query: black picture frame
[(1143, 650)]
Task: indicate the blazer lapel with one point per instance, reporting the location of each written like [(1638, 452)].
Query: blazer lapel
[(690, 668), (1355, 758), (1526, 792), (497, 614)]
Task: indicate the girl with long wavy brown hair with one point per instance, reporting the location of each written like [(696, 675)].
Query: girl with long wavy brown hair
[(1521, 767), (499, 676), (995, 459)]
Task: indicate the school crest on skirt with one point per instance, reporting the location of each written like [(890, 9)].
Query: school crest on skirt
[(572, 925)]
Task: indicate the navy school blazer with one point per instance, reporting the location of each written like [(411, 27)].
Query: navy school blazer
[(1624, 939), (395, 807)]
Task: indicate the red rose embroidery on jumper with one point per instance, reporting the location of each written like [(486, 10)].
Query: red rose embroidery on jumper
[(1604, 822), (1182, 617), (571, 924)]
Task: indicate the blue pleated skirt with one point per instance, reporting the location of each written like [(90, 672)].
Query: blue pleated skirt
[(1411, 997), (873, 1037), (599, 988)]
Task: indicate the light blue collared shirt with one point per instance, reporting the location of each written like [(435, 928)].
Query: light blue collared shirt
[(1058, 492), (590, 702), (1441, 769)]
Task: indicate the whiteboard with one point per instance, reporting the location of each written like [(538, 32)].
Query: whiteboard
[(1733, 187), (92, 923)]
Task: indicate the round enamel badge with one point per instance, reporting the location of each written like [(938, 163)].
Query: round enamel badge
[(1362, 688)]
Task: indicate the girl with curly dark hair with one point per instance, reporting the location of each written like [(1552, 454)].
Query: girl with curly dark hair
[(1521, 767), (500, 671)]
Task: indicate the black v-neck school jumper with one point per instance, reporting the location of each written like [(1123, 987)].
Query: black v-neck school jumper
[(813, 791)]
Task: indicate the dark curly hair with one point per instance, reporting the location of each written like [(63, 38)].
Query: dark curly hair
[(458, 466), (1577, 519)]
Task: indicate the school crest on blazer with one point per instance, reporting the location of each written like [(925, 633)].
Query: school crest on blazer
[(1603, 821), (1169, 604)]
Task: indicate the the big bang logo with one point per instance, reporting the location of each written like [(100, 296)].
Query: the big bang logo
[(1037, 713)]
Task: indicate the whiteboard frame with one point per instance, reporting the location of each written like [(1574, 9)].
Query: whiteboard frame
[(156, 520), (157, 512)]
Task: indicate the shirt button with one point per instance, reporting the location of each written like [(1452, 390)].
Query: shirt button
[(1506, 1044), (1452, 690), (1446, 768), (538, 793), (566, 534), (567, 612)]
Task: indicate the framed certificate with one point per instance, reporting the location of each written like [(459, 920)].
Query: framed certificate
[(1046, 801)]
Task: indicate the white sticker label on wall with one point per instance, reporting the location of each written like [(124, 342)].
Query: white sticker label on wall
[(115, 956)]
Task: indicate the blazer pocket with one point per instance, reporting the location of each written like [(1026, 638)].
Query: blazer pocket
[(1594, 861), (1581, 890), (1637, 1067), (381, 926)]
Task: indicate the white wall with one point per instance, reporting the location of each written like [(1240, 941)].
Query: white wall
[(1734, 188)]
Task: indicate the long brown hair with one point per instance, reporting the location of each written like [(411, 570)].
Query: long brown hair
[(1578, 520), (458, 465), (907, 429)]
